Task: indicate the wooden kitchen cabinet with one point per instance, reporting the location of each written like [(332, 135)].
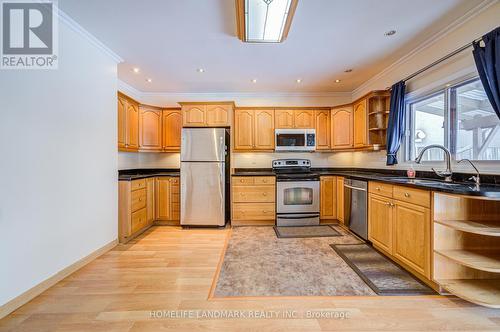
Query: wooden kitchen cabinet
[(264, 130), (399, 224), (303, 119), (380, 222), (342, 128), (360, 124), (150, 200), (253, 200), (133, 209), (340, 199), (171, 130), (167, 200), (284, 119), (412, 236), (128, 123), (207, 114), (150, 128), (323, 132), (253, 130), (328, 198)]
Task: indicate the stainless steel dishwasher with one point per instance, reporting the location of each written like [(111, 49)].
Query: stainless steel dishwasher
[(356, 206)]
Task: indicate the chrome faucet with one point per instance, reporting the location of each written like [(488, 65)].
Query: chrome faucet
[(446, 174), (475, 178)]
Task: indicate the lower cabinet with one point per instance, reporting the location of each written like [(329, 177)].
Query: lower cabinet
[(146, 201), (254, 200), (340, 199), (328, 198), (399, 225), (167, 200)]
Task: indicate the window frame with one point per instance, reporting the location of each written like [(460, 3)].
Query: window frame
[(450, 115)]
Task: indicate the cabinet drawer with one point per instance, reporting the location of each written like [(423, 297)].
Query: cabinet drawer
[(139, 220), (412, 195), (138, 184), (138, 199), (262, 211), (253, 194), (263, 180), (243, 180), (175, 198), (380, 188), (174, 189)]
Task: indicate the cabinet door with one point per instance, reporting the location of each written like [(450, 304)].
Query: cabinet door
[(303, 119), (163, 198), (264, 129), (244, 129), (194, 116), (328, 197), (172, 128), (175, 201), (412, 236), (217, 115), (122, 122), (340, 199), (132, 131), (284, 119), (342, 128), (150, 200), (149, 129), (322, 130), (380, 222), (360, 119)]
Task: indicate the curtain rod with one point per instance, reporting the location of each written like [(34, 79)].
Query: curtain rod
[(446, 57)]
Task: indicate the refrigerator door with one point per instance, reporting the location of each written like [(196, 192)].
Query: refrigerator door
[(203, 144), (202, 194)]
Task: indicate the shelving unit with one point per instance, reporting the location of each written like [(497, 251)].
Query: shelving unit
[(378, 117), (466, 242)]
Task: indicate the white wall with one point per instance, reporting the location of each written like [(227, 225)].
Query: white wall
[(131, 160), (58, 168)]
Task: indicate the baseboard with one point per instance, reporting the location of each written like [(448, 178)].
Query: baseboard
[(33, 292)]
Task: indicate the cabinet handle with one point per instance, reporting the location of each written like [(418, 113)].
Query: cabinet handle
[(389, 204), (378, 188), (265, 194), (242, 180), (407, 195), (265, 180)]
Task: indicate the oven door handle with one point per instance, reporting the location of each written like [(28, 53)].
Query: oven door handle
[(294, 216)]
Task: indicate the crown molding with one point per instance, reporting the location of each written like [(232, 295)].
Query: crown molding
[(66, 19), (428, 42)]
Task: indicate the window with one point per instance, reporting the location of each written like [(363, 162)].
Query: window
[(460, 118)]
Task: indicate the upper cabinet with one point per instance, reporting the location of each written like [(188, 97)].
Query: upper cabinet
[(128, 123), (207, 114), (289, 119), (253, 130), (303, 119), (360, 130), (171, 129), (284, 119), (342, 127), (322, 126), (150, 128)]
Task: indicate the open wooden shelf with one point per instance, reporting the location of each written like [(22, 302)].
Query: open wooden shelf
[(378, 112), (377, 129), (485, 292), (484, 260), (482, 227)]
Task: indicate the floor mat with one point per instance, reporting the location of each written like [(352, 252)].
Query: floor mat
[(380, 273), (305, 231)]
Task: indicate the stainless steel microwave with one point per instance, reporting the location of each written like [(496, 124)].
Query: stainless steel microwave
[(295, 139)]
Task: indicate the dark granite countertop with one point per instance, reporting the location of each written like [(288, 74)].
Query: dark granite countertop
[(136, 174), (490, 186)]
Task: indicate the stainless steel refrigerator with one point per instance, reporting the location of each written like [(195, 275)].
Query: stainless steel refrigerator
[(204, 176)]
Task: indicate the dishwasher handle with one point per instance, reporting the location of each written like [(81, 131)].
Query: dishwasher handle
[(355, 188)]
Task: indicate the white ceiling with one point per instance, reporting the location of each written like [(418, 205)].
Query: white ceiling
[(169, 39)]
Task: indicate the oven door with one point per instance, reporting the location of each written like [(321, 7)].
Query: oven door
[(297, 197)]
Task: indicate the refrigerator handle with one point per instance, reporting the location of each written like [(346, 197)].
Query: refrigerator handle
[(221, 148), (221, 187)]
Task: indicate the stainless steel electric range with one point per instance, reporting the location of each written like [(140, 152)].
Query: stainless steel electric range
[(297, 193)]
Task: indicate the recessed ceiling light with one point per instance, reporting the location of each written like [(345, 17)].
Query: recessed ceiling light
[(448, 85), (390, 33), (200, 70), (337, 81), (149, 80), (136, 70), (298, 80), (254, 80), (348, 70)]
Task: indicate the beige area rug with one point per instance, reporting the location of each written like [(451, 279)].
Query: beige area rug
[(257, 263)]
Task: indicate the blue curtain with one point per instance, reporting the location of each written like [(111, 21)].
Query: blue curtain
[(396, 125), (487, 60)]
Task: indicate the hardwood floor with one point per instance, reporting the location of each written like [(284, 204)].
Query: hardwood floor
[(169, 269)]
